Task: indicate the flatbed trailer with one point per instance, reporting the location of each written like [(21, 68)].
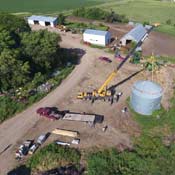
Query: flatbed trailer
[(91, 119)]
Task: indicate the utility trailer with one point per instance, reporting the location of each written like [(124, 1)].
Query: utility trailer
[(91, 119)]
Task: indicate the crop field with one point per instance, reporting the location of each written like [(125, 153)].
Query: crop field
[(44, 6), (146, 11)]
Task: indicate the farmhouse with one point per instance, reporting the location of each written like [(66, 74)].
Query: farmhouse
[(136, 34), (97, 37), (43, 20)]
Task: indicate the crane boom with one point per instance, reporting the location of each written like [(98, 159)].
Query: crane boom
[(108, 80), (114, 73)]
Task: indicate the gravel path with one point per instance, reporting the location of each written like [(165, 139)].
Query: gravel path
[(13, 129)]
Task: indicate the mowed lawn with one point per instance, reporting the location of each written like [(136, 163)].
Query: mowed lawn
[(44, 6), (146, 10)]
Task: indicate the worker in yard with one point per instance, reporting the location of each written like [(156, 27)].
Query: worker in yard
[(118, 96), (124, 110)]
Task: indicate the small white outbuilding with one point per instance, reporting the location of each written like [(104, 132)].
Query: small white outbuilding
[(43, 20), (97, 37)]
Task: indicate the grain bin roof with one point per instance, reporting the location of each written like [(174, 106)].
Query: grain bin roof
[(42, 18), (147, 89), (136, 33), (95, 32)]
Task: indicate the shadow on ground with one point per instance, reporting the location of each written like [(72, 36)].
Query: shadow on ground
[(21, 170)]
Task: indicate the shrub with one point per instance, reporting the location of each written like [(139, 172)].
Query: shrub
[(53, 156)]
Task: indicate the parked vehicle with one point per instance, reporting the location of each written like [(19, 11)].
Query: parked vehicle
[(62, 143), (33, 148), (23, 149), (50, 112), (106, 59), (119, 57), (75, 141), (41, 139)]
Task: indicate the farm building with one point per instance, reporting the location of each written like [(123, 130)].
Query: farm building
[(97, 37), (43, 20), (136, 34), (146, 97)]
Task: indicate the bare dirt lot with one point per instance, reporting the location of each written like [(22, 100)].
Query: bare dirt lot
[(157, 43), (88, 75)]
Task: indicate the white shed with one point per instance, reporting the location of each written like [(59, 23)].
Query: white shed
[(136, 34), (43, 20), (97, 37)]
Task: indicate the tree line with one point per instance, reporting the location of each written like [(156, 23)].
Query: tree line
[(99, 14), (25, 55)]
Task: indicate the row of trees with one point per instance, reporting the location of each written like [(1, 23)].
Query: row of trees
[(99, 14), (25, 54)]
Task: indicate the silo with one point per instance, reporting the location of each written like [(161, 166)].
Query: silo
[(146, 97)]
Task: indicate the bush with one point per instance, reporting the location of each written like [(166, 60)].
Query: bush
[(149, 156), (168, 22), (53, 156), (99, 14)]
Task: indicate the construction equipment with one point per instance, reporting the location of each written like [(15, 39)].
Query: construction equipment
[(107, 94)]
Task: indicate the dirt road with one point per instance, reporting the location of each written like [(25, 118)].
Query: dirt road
[(13, 129)]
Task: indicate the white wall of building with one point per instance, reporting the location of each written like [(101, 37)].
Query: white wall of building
[(30, 21), (96, 39), (42, 23)]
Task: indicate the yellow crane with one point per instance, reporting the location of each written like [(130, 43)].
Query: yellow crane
[(103, 92)]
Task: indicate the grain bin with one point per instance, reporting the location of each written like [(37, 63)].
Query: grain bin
[(146, 97)]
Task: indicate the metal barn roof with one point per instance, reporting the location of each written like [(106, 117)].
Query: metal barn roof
[(136, 33), (95, 32), (42, 18)]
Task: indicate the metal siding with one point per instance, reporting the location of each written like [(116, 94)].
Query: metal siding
[(94, 39), (43, 18), (142, 102), (95, 32), (136, 34)]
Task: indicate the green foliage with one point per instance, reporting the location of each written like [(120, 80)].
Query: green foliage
[(53, 156), (41, 49), (99, 14), (149, 156), (44, 6), (13, 23), (83, 26), (168, 22), (61, 19), (9, 106)]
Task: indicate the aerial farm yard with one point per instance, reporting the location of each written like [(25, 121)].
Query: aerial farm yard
[(121, 127), (119, 98)]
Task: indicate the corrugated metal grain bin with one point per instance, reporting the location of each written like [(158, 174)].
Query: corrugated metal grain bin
[(65, 132), (146, 97)]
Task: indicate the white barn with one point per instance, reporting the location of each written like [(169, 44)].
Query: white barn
[(136, 34), (97, 37), (43, 20)]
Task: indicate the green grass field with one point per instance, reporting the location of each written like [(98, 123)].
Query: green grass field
[(136, 10), (146, 10), (44, 6)]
